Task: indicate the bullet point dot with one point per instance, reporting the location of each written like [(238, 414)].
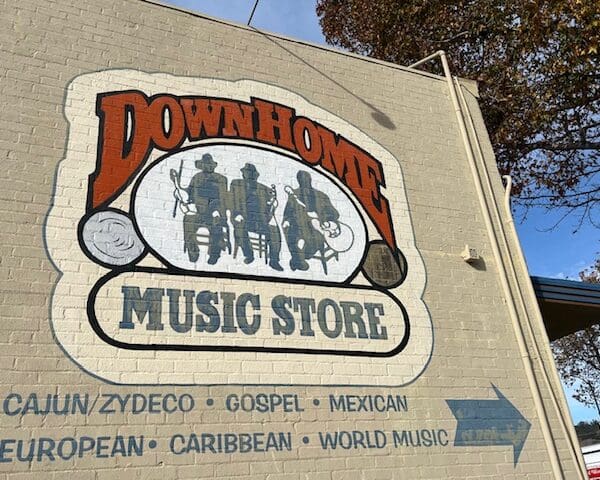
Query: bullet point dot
[(152, 443), (210, 401), (305, 440), (316, 402)]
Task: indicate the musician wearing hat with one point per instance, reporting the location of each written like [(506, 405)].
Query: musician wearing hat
[(253, 211), (308, 214), (204, 206)]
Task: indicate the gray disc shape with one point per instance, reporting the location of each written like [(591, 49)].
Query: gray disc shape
[(110, 238)]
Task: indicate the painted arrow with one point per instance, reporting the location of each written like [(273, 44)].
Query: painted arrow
[(489, 422)]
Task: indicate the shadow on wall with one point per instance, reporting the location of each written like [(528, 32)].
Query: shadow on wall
[(479, 264)]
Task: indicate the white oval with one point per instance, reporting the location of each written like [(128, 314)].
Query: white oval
[(154, 208), (378, 325)]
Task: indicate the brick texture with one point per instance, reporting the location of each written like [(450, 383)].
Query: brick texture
[(46, 48)]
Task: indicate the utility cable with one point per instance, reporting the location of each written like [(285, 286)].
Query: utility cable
[(252, 13)]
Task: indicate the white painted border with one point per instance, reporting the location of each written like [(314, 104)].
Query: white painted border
[(68, 312)]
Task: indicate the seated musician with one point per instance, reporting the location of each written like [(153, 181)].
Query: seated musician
[(204, 205), (253, 211), (305, 208)]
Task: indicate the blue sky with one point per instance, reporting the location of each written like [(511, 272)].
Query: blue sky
[(559, 252)]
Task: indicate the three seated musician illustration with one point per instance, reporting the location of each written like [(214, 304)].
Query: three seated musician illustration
[(311, 224)]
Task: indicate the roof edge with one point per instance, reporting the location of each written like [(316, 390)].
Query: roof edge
[(573, 284), (552, 289), (279, 36)]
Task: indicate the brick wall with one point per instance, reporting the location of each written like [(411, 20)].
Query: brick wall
[(146, 411)]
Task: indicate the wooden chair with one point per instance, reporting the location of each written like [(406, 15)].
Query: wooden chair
[(258, 243), (325, 254), (203, 238)]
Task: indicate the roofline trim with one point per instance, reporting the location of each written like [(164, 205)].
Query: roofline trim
[(294, 40)]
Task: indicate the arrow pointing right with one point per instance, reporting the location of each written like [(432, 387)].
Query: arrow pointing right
[(489, 422)]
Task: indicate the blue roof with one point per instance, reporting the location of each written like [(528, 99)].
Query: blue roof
[(566, 305), (566, 290)]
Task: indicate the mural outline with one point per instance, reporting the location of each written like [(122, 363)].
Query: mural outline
[(358, 270)]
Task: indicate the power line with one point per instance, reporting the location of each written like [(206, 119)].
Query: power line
[(253, 10)]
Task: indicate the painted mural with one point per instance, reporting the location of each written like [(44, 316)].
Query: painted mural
[(209, 224)]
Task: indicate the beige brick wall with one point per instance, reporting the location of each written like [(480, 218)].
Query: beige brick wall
[(55, 56)]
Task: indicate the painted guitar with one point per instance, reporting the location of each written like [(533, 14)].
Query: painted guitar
[(338, 236)]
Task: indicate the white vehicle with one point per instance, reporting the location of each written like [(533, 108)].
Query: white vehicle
[(591, 455)]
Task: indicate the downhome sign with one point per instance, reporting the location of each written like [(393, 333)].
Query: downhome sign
[(207, 222)]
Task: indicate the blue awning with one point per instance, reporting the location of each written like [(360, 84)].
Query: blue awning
[(567, 306)]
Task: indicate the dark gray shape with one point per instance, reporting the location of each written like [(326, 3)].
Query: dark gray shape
[(382, 268)]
